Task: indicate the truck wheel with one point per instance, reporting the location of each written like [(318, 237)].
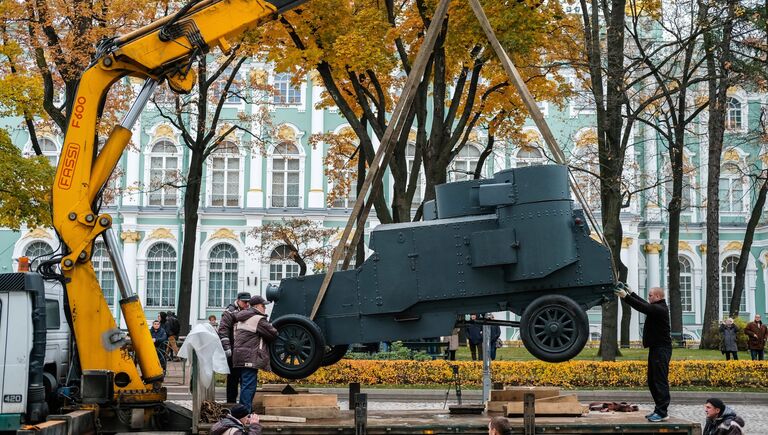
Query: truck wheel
[(554, 328), (334, 354), (298, 350)]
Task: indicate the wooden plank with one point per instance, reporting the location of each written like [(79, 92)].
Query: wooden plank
[(308, 412), (546, 408), (277, 388), (515, 394), (46, 428), (377, 169), (299, 400), (283, 418), (80, 422), (568, 398)]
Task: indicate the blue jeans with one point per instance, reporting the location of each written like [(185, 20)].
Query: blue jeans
[(248, 380), (757, 355)]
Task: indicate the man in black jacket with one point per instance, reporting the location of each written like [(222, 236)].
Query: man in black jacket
[(656, 337)]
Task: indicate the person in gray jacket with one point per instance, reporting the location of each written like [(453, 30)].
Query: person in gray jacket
[(253, 332), (728, 344)]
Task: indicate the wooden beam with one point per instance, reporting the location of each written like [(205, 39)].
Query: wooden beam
[(536, 115), (377, 168), (517, 81)]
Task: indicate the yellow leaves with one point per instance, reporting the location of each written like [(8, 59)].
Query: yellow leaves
[(25, 187), (572, 374)]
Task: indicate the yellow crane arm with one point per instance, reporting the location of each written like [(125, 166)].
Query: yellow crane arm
[(163, 50)]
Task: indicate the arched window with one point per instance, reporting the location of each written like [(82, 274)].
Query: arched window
[(464, 164), (410, 157), (225, 176), (280, 264), (686, 284), (529, 156), (731, 189), (285, 175), (222, 275), (161, 275), (163, 172), (37, 252), (50, 150), (104, 273), (285, 92), (727, 277), (733, 114)]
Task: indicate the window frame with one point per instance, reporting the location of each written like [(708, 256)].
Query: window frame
[(223, 152), (226, 295), (730, 276), (162, 271), (164, 191), (286, 173)]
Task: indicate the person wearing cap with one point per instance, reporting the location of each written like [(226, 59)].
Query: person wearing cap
[(252, 333), (238, 421), (226, 335), (721, 419)]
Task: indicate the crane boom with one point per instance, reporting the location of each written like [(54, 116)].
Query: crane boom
[(161, 51)]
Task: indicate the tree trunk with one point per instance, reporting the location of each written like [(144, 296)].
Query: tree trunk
[(675, 208), (613, 232), (626, 323), (187, 254), (718, 83), (360, 250), (749, 236)]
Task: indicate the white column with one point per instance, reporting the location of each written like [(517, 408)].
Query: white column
[(653, 250), (196, 301), (316, 197), (132, 176), (130, 246), (629, 253), (255, 195), (253, 282)]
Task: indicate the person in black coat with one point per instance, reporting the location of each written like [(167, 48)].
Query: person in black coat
[(160, 338), (475, 338), (657, 338), (495, 335)]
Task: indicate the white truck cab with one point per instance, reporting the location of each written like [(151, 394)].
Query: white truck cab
[(17, 341)]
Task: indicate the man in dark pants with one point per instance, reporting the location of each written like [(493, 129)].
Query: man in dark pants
[(656, 337), (227, 337)]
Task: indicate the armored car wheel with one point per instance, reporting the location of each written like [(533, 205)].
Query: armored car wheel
[(554, 328), (298, 350), (334, 354)]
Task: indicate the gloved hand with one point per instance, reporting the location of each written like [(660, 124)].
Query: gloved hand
[(622, 290), (228, 353)]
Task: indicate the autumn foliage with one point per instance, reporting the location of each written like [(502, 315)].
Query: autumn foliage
[(572, 374)]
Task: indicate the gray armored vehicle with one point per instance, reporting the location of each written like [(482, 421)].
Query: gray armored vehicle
[(510, 243)]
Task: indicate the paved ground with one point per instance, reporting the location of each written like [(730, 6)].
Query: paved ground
[(689, 405)]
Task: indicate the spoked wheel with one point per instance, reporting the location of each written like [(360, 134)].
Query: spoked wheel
[(334, 354), (554, 328), (298, 350)]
